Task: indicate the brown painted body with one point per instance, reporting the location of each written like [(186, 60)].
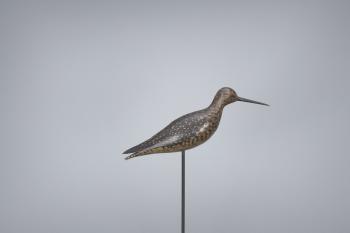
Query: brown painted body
[(189, 130)]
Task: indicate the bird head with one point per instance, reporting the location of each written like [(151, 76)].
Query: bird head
[(227, 95)]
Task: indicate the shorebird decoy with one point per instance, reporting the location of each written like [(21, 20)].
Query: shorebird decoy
[(190, 130), (187, 132)]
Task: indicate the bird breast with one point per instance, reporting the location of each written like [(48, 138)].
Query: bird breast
[(203, 128)]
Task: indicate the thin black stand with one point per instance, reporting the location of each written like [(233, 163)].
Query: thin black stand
[(183, 193)]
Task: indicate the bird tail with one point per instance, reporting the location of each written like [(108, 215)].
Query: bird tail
[(136, 154), (138, 147), (131, 156)]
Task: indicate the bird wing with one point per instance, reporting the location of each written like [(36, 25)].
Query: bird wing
[(157, 140), (180, 129)]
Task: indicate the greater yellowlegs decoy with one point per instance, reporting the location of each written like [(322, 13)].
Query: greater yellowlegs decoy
[(189, 130)]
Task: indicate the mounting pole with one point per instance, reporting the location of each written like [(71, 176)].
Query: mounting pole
[(183, 192)]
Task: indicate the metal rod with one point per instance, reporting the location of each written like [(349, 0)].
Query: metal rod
[(183, 193)]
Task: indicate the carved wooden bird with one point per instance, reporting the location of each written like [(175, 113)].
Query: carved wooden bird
[(190, 130)]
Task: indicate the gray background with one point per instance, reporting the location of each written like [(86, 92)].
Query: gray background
[(83, 81)]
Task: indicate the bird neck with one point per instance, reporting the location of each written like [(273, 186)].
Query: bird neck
[(217, 104)]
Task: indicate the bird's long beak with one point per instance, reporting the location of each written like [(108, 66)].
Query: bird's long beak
[(250, 101)]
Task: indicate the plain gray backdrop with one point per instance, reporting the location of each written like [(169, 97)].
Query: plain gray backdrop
[(82, 81)]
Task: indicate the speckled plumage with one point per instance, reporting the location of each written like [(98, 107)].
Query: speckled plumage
[(189, 130)]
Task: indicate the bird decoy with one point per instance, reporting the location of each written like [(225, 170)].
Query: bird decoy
[(187, 132), (190, 130)]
